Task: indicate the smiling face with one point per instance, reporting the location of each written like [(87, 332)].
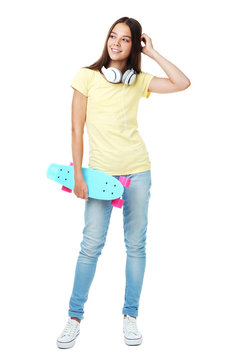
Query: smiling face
[(119, 39)]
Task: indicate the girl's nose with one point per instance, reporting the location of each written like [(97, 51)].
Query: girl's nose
[(116, 42)]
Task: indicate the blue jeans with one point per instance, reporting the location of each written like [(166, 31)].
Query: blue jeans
[(97, 216)]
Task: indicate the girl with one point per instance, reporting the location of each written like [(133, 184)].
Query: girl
[(106, 96)]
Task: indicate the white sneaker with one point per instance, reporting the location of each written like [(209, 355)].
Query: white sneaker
[(132, 335), (67, 338)]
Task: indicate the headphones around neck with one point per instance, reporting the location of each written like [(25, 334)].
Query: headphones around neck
[(114, 75)]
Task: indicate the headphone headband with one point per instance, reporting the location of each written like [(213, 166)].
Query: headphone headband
[(114, 75)]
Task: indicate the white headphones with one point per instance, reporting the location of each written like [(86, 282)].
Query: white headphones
[(115, 75)]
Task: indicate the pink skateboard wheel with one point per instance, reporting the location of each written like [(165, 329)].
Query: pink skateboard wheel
[(64, 188), (117, 202), (124, 181)]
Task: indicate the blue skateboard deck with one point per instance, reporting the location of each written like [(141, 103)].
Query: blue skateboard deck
[(100, 185)]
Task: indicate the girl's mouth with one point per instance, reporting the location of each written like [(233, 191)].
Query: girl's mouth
[(115, 51)]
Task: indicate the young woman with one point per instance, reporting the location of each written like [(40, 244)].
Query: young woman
[(106, 97)]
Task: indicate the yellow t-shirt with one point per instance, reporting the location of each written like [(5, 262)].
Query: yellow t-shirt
[(110, 148)]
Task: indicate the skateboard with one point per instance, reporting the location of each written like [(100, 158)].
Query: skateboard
[(100, 185)]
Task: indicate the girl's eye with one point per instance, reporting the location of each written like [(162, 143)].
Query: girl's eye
[(123, 39)]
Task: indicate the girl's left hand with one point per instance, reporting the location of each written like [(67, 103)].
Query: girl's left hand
[(148, 48)]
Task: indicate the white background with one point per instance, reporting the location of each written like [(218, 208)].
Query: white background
[(189, 307)]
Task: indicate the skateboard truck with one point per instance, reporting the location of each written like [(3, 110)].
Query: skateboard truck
[(125, 182), (116, 202)]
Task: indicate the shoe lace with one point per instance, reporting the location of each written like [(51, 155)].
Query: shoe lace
[(70, 328), (132, 325)]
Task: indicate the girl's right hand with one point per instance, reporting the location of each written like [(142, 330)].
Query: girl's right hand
[(81, 189)]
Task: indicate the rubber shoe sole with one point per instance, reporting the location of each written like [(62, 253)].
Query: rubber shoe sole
[(137, 341), (68, 344)]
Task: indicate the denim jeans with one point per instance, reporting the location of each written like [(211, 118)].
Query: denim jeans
[(97, 216)]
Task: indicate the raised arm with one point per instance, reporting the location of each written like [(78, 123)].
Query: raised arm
[(176, 80)]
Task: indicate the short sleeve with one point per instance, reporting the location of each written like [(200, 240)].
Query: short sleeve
[(145, 79), (81, 80)]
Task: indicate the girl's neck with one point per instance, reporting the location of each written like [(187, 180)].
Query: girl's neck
[(120, 66)]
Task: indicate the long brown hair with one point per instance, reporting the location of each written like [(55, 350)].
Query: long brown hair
[(134, 59)]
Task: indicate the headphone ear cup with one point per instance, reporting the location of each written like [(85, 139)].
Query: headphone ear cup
[(112, 74), (129, 77)]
